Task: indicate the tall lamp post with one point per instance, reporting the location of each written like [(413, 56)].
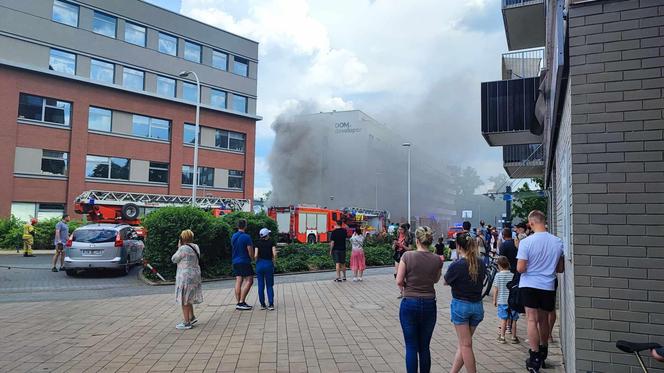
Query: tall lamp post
[(407, 145), (194, 183)]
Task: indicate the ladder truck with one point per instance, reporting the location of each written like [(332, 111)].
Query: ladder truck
[(127, 207)]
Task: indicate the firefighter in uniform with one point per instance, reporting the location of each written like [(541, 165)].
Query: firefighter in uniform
[(29, 237)]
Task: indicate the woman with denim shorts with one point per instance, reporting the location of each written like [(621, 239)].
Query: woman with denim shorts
[(466, 276), (418, 271)]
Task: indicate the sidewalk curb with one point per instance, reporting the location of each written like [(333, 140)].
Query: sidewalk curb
[(147, 281)]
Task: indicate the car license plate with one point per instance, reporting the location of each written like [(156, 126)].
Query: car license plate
[(91, 252)]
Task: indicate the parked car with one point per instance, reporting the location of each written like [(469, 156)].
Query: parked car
[(104, 246)]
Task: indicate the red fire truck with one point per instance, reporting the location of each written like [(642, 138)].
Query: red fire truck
[(127, 208), (311, 224)]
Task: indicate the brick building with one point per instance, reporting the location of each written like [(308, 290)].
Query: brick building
[(596, 107), (92, 99)]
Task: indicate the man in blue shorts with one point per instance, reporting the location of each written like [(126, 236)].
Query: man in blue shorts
[(242, 256)]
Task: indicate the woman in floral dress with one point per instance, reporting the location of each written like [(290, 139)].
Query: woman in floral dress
[(188, 278)]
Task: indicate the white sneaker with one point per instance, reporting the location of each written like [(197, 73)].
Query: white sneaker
[(183, 326), (354, 279), (359, 279)]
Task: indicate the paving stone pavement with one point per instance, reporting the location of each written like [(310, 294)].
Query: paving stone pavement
[(319, 326)]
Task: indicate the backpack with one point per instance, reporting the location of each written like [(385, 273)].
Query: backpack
[(514, 300)]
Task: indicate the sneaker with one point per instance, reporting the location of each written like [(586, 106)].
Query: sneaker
[(54, 269), (501, 339), (263, 307), (243, 307), (337, 280), (344, 279), (354, 279), (359, 279), (62, 269), (270, 308), (515, 340), (183, 326), (543, 353), (193, 321)]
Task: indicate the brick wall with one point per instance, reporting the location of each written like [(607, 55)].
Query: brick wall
[(617, 78)]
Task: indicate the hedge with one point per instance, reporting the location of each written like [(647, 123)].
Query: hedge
[(11, 233)]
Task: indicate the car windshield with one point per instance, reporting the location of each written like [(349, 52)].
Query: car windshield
[(94, 235)]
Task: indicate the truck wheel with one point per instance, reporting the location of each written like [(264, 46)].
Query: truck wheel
[(311, 239), (130, 211)]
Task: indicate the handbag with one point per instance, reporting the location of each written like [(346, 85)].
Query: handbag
[(200, 265)]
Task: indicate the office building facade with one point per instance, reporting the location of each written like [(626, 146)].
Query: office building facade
[(598, 113), (93, 100)]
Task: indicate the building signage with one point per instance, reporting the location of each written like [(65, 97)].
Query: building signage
[(345, 127)]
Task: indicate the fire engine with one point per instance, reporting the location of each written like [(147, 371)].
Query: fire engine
[(311, 224), (125, 207)]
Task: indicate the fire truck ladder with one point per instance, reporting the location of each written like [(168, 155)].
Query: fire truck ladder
[(160, 200), (368, 212)]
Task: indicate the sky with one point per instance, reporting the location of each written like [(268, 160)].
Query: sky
[(413, 65)]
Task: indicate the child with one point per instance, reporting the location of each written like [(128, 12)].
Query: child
[(500, 296), (357, 260)]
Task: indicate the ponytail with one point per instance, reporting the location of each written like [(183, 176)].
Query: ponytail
[(469, 246)]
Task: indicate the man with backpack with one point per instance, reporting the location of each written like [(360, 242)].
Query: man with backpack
[(540, 257)]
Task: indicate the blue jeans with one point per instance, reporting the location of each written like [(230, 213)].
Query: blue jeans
[(265, 275), (418, 318)]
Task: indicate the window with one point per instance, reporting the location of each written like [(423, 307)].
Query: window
[(44, 109), (99, 119), (229, 140), (189, 136), (240, 66), (102, 71), (107, 167), (235, 179), (65, 13), (54, 162), (189, 92), (192, 52), (158, 172), (219, 60), (134, 34), (104, 24), (236, 141), (62, 62), (165, 86), (151, 127), (218, 98), (133, 79), (168, 44), (240, 103), (205, 176), (24, 211)]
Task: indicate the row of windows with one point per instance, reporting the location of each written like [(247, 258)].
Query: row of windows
[(105, 24), (100, 119), (206, 177), (102, 71)]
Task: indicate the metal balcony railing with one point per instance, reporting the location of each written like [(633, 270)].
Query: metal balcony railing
[(523, 64), (515, 3), (524, 154)]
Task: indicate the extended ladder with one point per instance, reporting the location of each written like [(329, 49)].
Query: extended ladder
[(160, 200)]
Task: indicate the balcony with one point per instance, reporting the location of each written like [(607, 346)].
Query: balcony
[(523, 64), (508, 112), (525, 22), (523, 161)]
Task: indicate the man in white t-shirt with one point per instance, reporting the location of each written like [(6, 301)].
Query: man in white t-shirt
[(540, 257)]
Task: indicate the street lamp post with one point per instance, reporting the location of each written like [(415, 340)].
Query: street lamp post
[(407, 144), (194, 183)]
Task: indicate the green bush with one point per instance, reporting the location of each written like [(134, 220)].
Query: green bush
[(45, 232), (255, 222), (316, 263), (11, 231), (378, 255), (163, 228), (295, 263)]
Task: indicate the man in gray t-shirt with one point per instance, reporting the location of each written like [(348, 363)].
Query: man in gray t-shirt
[(61, 237)]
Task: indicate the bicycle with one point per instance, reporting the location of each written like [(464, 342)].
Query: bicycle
[(489, 274), (635, 348)]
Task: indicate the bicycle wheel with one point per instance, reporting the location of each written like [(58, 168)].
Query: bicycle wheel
[(490, 274)]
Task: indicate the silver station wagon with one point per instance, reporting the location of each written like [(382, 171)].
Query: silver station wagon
[(103, 246)]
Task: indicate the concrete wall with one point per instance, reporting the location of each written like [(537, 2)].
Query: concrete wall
[(616, 59)]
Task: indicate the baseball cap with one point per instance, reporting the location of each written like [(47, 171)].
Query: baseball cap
[(264, 232)]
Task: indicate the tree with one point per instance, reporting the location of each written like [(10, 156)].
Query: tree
[(498, 181), (465, 181), (526, 200)]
